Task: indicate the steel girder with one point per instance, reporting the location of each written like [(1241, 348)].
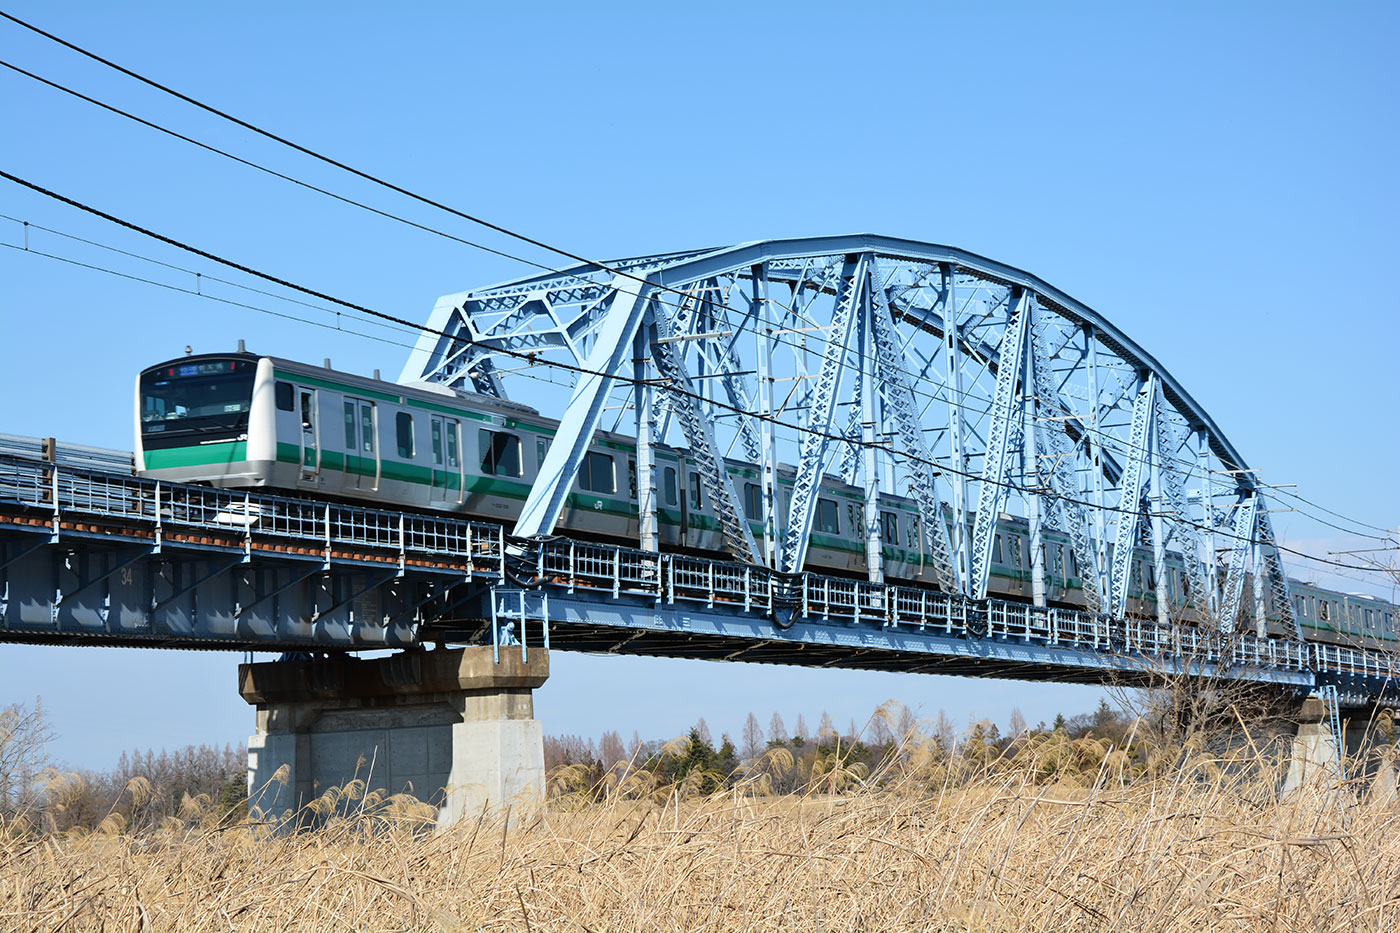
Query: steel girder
[(891, 354)]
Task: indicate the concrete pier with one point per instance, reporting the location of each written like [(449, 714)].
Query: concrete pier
[(452, 727), (1316, 760)]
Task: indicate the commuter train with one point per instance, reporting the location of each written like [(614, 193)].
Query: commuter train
[(242, 420)]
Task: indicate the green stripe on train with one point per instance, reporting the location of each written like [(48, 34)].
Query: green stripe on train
[(172, 458)]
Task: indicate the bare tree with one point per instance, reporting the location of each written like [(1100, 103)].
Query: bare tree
[(24, 738), (777, 731), (905, 724), (944, 732), (800, 730), (1017, 725), (753, 737), (703, 731), (610, 750), (826, 729)]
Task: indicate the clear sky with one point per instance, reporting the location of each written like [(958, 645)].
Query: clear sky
[(1218, 179)]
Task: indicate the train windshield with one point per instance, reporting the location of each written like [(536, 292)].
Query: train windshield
[(197, 395)]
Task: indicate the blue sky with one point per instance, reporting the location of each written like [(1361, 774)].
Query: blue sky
[(1217, 179)]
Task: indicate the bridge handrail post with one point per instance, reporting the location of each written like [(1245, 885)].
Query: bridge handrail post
[(403, 545), (53, 493), (326, 517), (495, 631), (748, 580), (247, 526), (617, 572), (710, 576), (524, 650), (160, 528)]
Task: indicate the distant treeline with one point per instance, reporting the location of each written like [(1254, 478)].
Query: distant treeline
[(696, 759)]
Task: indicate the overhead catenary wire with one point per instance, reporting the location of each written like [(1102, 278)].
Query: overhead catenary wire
[(580, 370), (1115, 442), (374, 179)]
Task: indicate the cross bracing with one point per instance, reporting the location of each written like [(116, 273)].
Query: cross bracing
[(963, 385)]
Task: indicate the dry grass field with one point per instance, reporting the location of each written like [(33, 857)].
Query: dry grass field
[(927, 845)]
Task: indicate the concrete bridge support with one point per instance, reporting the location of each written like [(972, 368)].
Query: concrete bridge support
[(454, 728), (1370, 753)]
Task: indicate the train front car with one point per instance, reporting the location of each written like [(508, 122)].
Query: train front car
[(206, 419)]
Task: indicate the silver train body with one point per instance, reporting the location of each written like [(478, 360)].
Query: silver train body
[(241, 420)]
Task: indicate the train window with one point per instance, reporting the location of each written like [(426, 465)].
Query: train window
[(349, 425), (913, 528), (632, 477), (696, 497), (1149, 577), (283, 394), (500, 453), (996, 550), (753, 501), (595, 474), (1322, 612), (1016, 552), (669, 481), (541, 448), (403, 429), (889, 528), (450, 429), (1060, 559), (828, 517), (367, 427), (437, 442)]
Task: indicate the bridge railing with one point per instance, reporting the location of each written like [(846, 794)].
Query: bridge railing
[(678, 578), (155, 509)]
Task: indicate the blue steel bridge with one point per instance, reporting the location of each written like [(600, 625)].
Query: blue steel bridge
[(975, 390)]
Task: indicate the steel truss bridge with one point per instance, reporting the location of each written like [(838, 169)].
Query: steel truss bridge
[(905, 368)]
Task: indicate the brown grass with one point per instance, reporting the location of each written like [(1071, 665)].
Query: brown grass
[(929, 846)]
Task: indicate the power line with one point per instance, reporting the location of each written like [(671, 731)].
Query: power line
[(447, 208), (533, 358), (1116, 442)]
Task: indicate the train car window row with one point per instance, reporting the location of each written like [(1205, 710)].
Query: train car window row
[(283, 395), (828, 517)]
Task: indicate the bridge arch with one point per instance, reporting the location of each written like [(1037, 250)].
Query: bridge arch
[(965, 384)]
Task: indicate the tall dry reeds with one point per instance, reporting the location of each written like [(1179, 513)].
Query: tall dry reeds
[(1056, 835)]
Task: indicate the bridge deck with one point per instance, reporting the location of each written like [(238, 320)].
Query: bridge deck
[(98, 556)]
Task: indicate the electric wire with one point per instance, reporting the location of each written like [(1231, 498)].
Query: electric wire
[(579, 370), (1114, 442)]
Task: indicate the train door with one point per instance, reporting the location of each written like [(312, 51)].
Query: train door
[(681, 473), (352, 445), (361, 448), (310, 437), (447, 461), (369, 447)]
